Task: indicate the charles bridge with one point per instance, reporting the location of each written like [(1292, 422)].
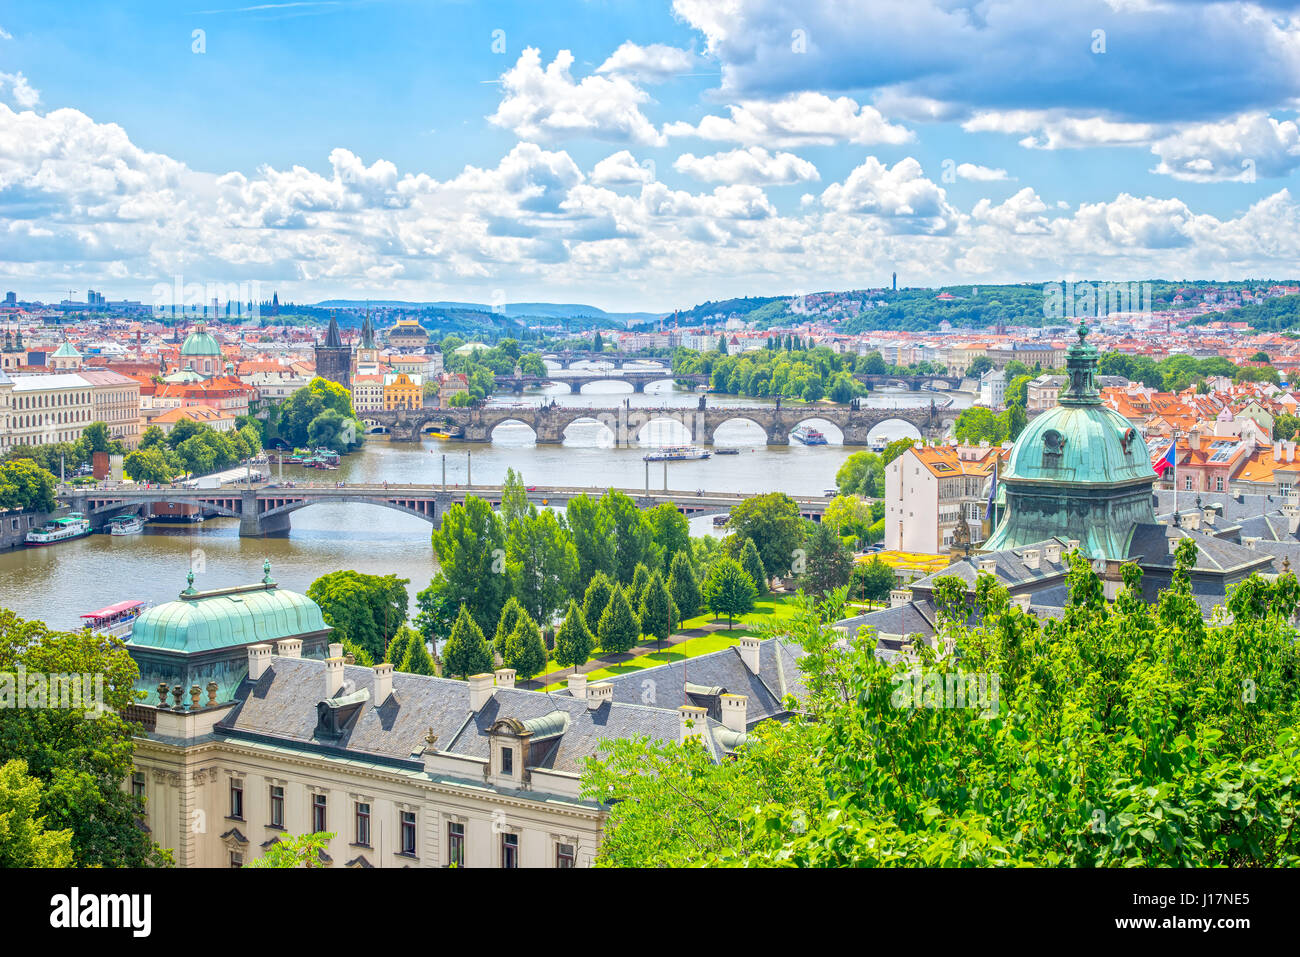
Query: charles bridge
[(548, 422)]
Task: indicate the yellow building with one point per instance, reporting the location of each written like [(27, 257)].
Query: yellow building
[(403, 391)]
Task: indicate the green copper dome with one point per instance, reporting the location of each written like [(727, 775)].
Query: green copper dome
[(203, 621), (200, 343), (66, 351), (1077, 472)]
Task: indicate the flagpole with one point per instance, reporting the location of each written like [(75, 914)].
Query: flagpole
[(1175, 465)]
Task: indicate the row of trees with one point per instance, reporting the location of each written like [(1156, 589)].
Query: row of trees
[(190, 447), (1122, 734), (69, 456)]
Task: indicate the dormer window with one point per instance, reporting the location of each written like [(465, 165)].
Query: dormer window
[(507, 761)]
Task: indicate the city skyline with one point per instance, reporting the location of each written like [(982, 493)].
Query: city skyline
[(644, 156)]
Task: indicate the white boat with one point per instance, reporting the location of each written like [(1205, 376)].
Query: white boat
[(115, 620), (127, 525), (808, 435), (677, 453), (74, 525)]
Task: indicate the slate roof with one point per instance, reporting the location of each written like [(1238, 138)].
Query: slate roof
[(1149, 545), (281, 707), (664, 686)]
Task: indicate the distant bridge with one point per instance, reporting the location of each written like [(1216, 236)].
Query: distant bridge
[(575, 381), (549, 422), (265, 510), (913, 382), (618, 360)]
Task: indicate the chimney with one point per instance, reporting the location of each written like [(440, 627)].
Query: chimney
[(1194, 520), (695, 716), (1173, 541), (1071, 544), (1032, 556), (333, 675), (1208, 515), (336, 649), (259, 659), (598, 693), (383, 682), (733, 711), (1250, 541), (899, 596), (505, 677), (1021, 602), (578, 686), (988, 565), (289, 647), (1277, 451), (1052, 553), (480, 690), (749, 654)]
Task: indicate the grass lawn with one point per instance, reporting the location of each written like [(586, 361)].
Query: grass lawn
[(767, 609)]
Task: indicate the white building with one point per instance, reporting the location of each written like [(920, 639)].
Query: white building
[(46, 409), (929, 491)]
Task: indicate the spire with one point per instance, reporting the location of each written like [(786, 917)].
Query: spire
[(332, 339), (1081, 363)]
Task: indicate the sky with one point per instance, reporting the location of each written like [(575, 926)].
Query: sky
[(638, 155)]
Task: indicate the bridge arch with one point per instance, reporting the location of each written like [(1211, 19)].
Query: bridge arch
[(425, 509), (512, 422), (887, 430), (834, 434)]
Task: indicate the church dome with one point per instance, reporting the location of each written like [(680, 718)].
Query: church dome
[(200, 343), (1084, 444)]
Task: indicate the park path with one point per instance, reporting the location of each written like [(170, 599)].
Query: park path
[(606, 661)]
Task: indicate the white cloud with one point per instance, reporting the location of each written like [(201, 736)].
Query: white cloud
[(804, 119), (901, 195), (1057, 130), (5, 34), (547, 104), (20, 91), (650, 64), (981, 174), (1238, 149), (755, 166), (622, 169)]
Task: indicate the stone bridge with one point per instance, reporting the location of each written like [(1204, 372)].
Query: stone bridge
[(913, 382), (548, 422), (264, 510), (637, 379), (618, 360)]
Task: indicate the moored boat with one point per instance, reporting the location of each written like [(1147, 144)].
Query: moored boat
[(677, 453), (114, 619), (74, 525), (126, 525), (808, 435)]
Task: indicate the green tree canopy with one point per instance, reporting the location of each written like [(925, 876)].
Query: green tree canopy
[(729, 591), (618, 629), (772, 522), (574, 641), (467, 651), (684, 586), (658, 614), (471, 549)]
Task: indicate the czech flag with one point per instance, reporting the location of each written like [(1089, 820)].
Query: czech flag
[(1165, 461)]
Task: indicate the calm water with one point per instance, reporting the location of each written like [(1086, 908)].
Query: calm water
[(58, 583)]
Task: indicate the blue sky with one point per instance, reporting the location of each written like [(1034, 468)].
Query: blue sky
[(642, 155)]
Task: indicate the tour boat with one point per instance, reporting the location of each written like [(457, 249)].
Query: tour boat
[(808, 435), (719, 520), (678, 453), (74, 525), (116, 619), (728, 451), (126, 525)]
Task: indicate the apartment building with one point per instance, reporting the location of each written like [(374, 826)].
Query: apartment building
[(115, 401), (402, 391), (46, 409), (930, 491)]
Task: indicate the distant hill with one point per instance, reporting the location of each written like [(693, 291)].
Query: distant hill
[(511, 310)]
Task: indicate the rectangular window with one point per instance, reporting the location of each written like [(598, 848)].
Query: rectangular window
[(1188, 484), (509, 850), (237, 798), (564, 855), (137, 784), (236, 859), (408, 832), (456, 844), (363, 823), (277, 806), (507, 761), (318, 817), (1218, 484)]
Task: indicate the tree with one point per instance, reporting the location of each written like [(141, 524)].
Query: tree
[(618, 628), (634, 541), (574, 641), (592, 529), (595, 599), (471, 549), (25, 485), (892, 451), (848, 515), (368, 610), (772, 521), (524, 650), (542, 563), (872, 581), (598, 344), (978, 424), (753, 566), (861, 474), (97, 437), (683, 586), (467, 652), (436, 611), (1155, 759), (979, 366), (24, 839), (416, 660), (640, 578), (658, 614), (829, 562), (395, 652), (304, 850), (515, 506), (510, 615), (669, 530), (728, 590), (82, 757)]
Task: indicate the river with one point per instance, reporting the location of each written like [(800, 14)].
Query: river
[(58, 583)]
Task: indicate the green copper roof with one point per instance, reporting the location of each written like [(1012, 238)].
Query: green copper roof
[(200, 343), (66, 351), (1079, 444), (202, 621)]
